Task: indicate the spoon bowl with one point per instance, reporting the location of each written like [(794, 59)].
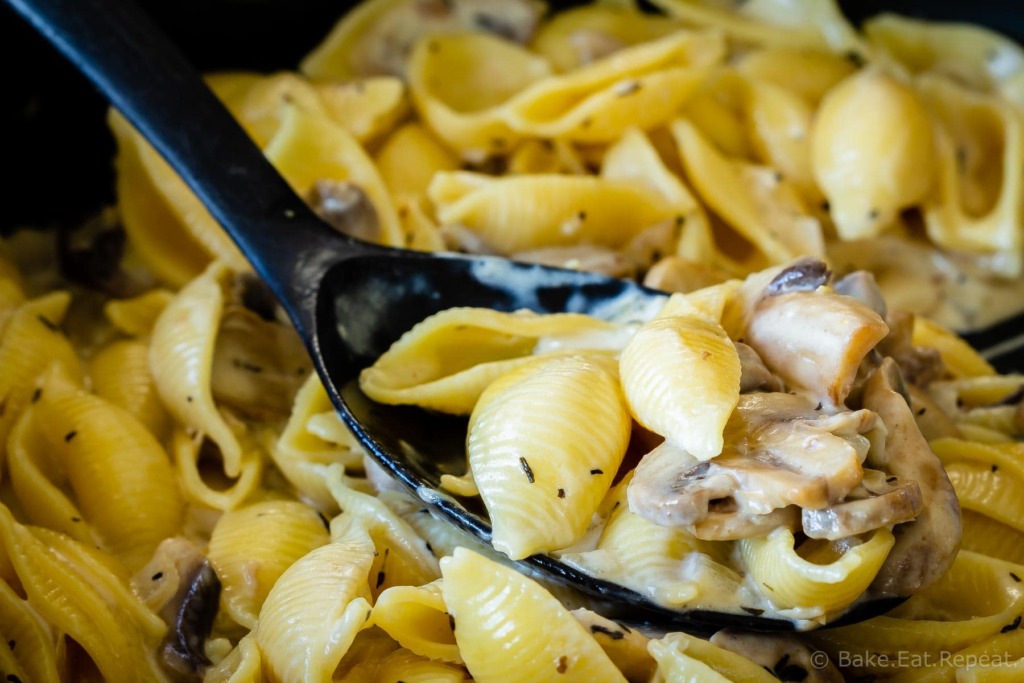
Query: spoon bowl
[(349, 300)]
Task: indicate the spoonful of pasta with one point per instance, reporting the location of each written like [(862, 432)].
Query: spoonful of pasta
[(606, 422)]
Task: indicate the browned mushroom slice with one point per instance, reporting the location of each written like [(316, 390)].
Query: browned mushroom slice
[(754, 375), (815, 340), (785, 656), (861, 285), (723, 524), (926, 547), (385, 46), (919, 365), (805, 275), (877, 502), (181, 586), (780, 451), (258, 365), (346, 208)]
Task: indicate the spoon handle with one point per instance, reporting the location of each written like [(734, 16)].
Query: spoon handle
[(122, 51)]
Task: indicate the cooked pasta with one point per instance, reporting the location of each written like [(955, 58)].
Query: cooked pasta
[(798, 430)]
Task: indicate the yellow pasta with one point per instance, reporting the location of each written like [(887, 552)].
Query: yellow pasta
[(120, 373), (315, 609), (447, 361), (496, 612), (871, 163), (251, 547), (763, 207), (84, 600), (121, 476), (681, 376), (980, 150), (416, 618), (307, 149), (136, 316), (540, 468), (313, 439), (32, 342), (26, 648), (517, 213), (792, 581), (173, 442), (682, 658)]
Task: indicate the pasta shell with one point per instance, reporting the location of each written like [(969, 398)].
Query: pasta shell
[(973, 55), (643, 556), (402, 557), (80, 597), (978, 194), (308, 148), (807, 73), (120, 373), (416, 618), (446, 361), (313, 439), (641, 86), (496, 612), (681, 376), (764, 208), (541, 468), (26, 651), (466, 112), (136, 316), (871, 163), (682, 658), (410, 157), (518, 213), (315, 610), (40, 483), (816, 24), (181, 360), (578, 36), (251, 548), (32, 343), (121, 476), (789, 580)]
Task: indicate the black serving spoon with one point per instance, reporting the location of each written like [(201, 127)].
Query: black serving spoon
[(349, 299)]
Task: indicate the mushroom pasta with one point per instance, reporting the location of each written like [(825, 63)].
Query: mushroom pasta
[(795, 432)]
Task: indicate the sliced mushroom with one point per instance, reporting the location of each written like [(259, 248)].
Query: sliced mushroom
[(755, 376), (875, 503), (181, 586), (861, 285), (780, 451), (815, 340), (786, 657), (258, 365), (805, 275), (384, 48), (346, 208), (926, 547), (723, 524), (919, 365)]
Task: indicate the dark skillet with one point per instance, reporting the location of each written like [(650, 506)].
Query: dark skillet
[(349, 299)]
